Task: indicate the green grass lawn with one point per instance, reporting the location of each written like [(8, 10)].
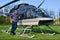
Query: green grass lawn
[(35, 31)]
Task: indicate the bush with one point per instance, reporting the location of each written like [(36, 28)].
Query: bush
[(57, 22), (4, 20)]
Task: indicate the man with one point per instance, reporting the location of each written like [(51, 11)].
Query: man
[(14, 18)]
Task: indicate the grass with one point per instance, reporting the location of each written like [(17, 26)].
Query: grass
[(35, 31)]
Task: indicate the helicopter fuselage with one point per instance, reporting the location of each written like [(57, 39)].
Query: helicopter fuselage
[(35, 21), (31, 15)]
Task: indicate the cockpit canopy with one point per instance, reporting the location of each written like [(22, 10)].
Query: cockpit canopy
[(30, 11)]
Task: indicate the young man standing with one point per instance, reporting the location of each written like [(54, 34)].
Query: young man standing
[(14, 19)]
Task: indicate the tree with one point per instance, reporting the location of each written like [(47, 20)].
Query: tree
[(1, 11), (6, 9), (59, 16), (52, 14)]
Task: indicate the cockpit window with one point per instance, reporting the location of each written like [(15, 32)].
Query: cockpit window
[(30, 11), (40, 13), (27, 12)]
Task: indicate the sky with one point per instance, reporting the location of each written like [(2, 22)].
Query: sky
[(53, 5)]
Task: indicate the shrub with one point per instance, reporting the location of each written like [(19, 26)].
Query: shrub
[(57, 22), (4, 20)]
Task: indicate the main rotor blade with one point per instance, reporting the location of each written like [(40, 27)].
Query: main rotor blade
[(9, 3), (41, 3)]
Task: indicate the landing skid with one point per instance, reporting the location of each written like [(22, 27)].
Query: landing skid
[(26, 35), (27, 28), (48, 33), (22, 33)]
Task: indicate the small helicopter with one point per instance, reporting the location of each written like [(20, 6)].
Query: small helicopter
[(31, 16)]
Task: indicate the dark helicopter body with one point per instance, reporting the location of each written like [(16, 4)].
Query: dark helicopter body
[(31, 15)]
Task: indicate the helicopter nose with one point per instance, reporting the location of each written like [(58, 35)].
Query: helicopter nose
[(46, 21)]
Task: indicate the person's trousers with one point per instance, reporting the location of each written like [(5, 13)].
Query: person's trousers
[(14, 26)]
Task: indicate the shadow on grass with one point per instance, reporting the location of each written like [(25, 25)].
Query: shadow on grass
[(44, 30)]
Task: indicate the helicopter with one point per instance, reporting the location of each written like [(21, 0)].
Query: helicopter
[(31, 16)]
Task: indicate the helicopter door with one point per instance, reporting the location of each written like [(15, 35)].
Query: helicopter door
[(28, 19)]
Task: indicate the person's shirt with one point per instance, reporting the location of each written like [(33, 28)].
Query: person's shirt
[(14, 17)]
